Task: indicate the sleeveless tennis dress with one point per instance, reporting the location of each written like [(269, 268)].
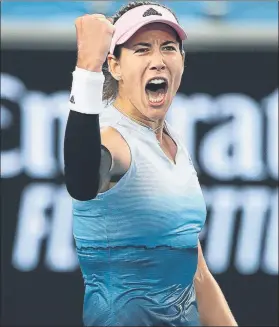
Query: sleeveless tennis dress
[(137, 242)]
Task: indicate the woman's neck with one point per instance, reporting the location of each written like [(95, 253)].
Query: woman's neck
[(126, 108)]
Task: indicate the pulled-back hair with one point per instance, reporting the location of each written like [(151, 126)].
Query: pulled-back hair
[(110, 89)]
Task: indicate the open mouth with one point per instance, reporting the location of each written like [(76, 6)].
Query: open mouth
[(156, 90)]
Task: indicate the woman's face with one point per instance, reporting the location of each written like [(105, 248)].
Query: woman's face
[(150, 66)]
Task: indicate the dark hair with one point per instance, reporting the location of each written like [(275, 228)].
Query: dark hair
[(110, 89)]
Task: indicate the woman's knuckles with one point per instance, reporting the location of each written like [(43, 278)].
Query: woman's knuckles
[(94, 35)]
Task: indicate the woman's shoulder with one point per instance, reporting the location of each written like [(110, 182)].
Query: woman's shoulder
[(109, 116)]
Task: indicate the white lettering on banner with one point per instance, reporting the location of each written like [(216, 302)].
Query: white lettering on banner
[(242, 142), (185, 113), (36, 226), (257, 206), (33, 225), (271, 106), (220, 229), (254, 205), (11, 89), (38, 113), (240, 132), (60, 254), (38, 137), (234, 147), (270, 255)]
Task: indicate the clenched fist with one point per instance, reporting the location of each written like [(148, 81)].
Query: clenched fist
[(94, 35)]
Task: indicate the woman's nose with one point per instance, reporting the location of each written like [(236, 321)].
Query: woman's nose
[(157, 62)]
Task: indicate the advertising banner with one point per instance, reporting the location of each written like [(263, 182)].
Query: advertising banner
[(226, 112)]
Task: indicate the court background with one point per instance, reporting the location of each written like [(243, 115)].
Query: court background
[(226, 111)]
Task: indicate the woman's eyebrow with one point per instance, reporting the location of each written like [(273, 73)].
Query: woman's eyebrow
[(142, 44), (145, 44), (169, 42)]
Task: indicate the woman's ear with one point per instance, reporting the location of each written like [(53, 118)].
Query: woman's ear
[(114, 67)]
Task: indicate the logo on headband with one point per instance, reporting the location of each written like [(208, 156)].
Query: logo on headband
[(150, 12)]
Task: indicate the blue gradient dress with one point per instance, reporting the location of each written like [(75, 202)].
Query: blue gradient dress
[(137, 242)]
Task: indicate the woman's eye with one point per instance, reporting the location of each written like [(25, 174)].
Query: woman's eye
[(142, 50), (169, 48)]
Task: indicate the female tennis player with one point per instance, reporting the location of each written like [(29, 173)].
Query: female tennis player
[(137, 205)]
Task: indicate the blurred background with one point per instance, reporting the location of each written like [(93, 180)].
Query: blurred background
[(226, 112)]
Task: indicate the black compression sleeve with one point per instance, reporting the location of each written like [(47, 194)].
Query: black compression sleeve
[(82, 155)]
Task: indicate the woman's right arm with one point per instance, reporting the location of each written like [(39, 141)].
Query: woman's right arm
[(91, 157), (83, 153)]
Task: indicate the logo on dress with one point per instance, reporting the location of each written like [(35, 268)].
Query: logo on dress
[(150, 12)]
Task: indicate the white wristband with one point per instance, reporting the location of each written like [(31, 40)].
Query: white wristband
[(87, 92)]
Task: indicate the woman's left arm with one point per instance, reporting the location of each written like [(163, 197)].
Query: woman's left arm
[(213, 307)]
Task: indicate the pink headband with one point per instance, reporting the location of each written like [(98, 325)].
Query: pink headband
[(134, 19)]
